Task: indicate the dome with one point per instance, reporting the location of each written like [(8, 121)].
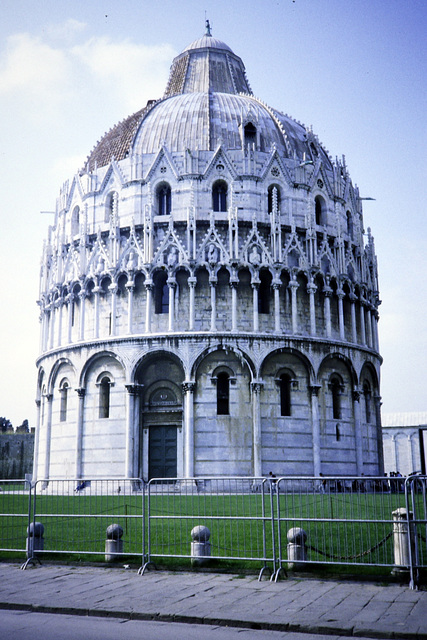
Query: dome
[(207, 103)]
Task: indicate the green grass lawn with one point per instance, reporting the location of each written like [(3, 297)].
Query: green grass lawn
[(343, 528)]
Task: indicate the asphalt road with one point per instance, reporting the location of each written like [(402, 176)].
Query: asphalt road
[(24, 625)]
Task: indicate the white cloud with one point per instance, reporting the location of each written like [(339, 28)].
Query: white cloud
[(32, 66), (66, 31), (136, 73)]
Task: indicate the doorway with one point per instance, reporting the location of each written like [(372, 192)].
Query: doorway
[(162, 452)]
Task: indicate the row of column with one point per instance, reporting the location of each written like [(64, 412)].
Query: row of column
[(52, 318), (133, 426)]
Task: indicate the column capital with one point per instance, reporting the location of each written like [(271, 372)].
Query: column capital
[(356, 395), (81, 392), (189, 386), (192, 281), (48, 396), (38, 403), (314, 389), (311, 287), (134, 389), (257, 386)]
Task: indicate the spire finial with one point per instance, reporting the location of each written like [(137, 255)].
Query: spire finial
[(208, 28)]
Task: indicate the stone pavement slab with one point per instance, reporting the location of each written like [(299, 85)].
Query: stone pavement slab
[(299, 605)]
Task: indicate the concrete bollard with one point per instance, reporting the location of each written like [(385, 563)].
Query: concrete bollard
[(113, 543), (401, 536), (200, 546), (297, 551), (35, 540)]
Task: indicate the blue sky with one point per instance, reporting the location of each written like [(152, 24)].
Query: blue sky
[(356, 70)]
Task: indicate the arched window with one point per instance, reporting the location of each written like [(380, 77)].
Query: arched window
[(219, 196), (63, 391), (335, 386), (264, 292), (319, 210), (349, 224), (104, 397), (223, 394), (161, 293), (250, 134), (75, 221), (285, 382), (164, 199), (111, 206), (274, 198), (368, 396)]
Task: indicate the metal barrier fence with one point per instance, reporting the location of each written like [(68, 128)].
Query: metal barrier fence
[(226, 518), (15, 514), (345, 521), (91, 517), (277, 523)]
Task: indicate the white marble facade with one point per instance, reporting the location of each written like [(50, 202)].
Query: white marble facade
[(208, 303), (405, 442)]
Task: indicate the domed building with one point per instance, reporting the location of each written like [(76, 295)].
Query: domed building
[(208, 304)]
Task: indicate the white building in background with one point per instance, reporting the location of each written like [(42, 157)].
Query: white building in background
[(208, 303), (405, 442)]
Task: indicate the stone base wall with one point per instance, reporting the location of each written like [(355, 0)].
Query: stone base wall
[(16, 458)]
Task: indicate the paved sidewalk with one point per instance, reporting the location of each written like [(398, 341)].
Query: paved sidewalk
[(344, 608)]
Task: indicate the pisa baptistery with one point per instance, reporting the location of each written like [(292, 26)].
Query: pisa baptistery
[(208, 303)]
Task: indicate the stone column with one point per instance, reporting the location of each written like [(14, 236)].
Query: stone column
[(70, 300), (276, 289), (213, 282), (293, 284), (362, 323), (188, 388), (327, 293), (233, 286), (36, 442), (377, 401), (256, 417), (341, 294), (131, 429), (353, 318), (113, 291), (48, 414), (311, 289), (192, 281), (358, 432), (171, 282), (255, 286), (52, 325), (369, 328), (79, 436), (315, 424), (96, 293), (130, 286), (149, 305), (375, 327), (82, 297), (60, 311), (373, 330)]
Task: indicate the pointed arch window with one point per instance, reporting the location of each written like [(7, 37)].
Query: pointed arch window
[(285, 383), (104, 397), (274, 198), (219, 195), (349, 225), (320, 211), (161, 293), (63, 392), (368, 396), (164, 199), (75, 221), (111, 206), (264, 291), (250, 134), (223, 394), (336, 387)]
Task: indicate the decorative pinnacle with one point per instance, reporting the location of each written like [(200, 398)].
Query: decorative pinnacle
[(208, 28)]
